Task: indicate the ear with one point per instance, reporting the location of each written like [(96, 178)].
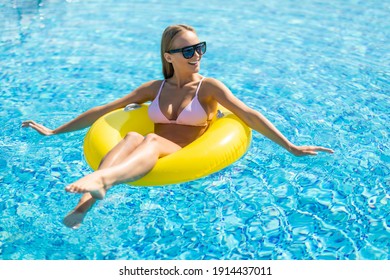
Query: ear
[(168, 57)]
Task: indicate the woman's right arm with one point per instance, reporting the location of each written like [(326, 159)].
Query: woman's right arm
[(86, 119), (82, 121)]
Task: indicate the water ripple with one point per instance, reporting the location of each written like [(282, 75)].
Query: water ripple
[(328, 86)]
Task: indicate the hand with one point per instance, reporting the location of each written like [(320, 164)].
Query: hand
[(38, 127), (309, 150)]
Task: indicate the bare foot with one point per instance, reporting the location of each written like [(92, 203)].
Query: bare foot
[(92, 183), (76, 216), (74, 219)]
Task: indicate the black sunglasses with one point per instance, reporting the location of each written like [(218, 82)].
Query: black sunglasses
[(189, 51)]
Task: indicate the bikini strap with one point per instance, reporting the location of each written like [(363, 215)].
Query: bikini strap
[(159, 91), (200, 83)]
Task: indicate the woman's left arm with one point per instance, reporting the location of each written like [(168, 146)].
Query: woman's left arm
[(258, 122)]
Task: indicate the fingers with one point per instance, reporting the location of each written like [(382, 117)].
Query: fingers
[(307, 153), (31, 124), (38, 127), (322, 149), (27, 123), (312, 150)]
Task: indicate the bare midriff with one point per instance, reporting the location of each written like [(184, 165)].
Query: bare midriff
[(180, 134)]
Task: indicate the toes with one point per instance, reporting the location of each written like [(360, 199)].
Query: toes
[(73, 189)]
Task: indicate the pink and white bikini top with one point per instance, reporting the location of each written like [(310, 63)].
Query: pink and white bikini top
[(193, 114)]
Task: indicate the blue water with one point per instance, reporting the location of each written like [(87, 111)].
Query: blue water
[(319, 70)]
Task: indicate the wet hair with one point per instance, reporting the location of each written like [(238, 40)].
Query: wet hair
[(166, 44)]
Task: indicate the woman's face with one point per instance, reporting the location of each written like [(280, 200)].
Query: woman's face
[(184, 39)]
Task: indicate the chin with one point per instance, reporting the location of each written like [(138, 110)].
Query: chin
[(196, 69)]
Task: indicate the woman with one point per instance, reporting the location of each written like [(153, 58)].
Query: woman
[(182, 107)]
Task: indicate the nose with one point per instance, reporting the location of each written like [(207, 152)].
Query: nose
[(197, 55)]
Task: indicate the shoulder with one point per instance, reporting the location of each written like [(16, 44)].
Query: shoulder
[(149, 88), (151, 85), (215, 87), (212, 82)]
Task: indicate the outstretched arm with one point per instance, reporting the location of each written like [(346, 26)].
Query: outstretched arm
[(86, 119), (258, 122)]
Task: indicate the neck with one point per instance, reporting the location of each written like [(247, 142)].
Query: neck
[(181, 80)]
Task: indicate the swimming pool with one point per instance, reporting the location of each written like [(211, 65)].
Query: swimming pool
[(319, 70)]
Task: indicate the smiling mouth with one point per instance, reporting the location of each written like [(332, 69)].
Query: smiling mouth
[(194, 62)]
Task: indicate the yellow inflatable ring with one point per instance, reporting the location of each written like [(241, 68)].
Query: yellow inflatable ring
[(224, 142)]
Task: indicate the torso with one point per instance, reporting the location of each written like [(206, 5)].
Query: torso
[(173, 101), (180, 134)]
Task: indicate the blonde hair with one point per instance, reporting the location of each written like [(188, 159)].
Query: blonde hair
[(166, 44)]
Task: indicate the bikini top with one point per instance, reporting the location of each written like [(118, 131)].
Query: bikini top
[(193, 114)]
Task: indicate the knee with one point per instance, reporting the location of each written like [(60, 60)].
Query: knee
[(151, 138), (134, 137)]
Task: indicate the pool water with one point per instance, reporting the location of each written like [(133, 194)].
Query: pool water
[(319, 70)]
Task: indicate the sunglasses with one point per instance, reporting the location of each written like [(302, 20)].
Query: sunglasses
[(189, 51)]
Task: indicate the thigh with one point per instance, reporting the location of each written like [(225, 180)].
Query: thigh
[(131, 141), (122, 150), (162, 146)]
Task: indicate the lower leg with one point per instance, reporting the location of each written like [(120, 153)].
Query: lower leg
[(136, 165), (75, 217), (97, 183)]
